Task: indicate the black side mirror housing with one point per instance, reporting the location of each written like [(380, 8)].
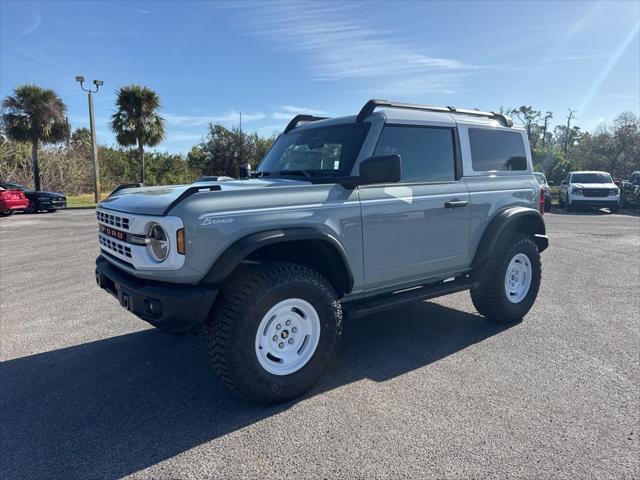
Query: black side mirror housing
[(245, 171), (381, 169), (550, 182), (564, 182)]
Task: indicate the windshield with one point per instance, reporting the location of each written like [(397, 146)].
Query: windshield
[(320, 151), (540, 178), (591, 178)]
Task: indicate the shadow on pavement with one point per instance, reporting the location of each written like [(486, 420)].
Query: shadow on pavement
[(112, 407)]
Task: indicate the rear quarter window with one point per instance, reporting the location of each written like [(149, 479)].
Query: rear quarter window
[(497, 150)]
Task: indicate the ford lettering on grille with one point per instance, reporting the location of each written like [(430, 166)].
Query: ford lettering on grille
[(112, 232)]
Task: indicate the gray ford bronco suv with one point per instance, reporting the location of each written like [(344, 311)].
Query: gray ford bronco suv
[(352, 215)]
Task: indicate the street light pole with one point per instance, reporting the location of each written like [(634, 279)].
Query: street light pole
[(94, 144)]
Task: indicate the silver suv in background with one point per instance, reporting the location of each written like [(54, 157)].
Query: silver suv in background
[(590, 189), (352, 215)]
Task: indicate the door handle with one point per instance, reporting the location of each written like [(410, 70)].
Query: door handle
[(456, 203)]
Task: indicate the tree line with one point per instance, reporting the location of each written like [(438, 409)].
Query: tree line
[(614, 148), (38, 145)]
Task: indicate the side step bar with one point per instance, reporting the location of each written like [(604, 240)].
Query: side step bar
[(369, 306)]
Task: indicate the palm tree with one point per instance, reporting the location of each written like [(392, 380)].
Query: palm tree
[(35, 115), (137, 121)]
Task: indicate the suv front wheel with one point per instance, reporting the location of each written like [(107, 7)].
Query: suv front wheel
[(273, 331), (509, 281)]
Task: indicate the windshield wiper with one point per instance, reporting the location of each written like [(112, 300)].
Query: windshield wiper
[(296, 173)]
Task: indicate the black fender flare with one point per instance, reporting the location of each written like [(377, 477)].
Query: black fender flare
[(241, 248), (509, 220)]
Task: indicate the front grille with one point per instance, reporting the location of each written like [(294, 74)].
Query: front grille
[(115, 246), (595, 192), (111, 219)]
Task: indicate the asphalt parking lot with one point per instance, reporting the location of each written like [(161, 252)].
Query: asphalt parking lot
[(429, 391)]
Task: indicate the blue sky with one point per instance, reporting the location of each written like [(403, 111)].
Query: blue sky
[(269, 60)]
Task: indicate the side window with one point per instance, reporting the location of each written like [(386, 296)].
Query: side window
[(427, 153), (496, 150)]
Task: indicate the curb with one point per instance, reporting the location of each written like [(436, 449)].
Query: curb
[(79, 208)]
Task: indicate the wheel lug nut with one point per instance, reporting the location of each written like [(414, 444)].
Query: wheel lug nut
[(294, 329), (288, 322), (278, 327), (281, 345), (291, 340), (275, 337)]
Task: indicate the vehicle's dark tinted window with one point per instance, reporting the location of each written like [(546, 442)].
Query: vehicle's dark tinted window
[(496, 150), (427, 153)]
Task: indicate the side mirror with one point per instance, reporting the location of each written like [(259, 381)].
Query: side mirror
[(564, 182), (245, 170), (550, 182), (382, 169)]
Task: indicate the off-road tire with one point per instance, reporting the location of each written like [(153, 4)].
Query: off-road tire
[(32, 207), (568, 207), (489, 296), (231, 329)]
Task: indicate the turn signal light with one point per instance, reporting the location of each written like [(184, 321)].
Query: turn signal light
[(180, 241)]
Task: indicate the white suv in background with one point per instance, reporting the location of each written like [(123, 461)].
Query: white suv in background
[(589, 189)]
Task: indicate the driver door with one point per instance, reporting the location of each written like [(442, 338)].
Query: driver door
[(419, 227)]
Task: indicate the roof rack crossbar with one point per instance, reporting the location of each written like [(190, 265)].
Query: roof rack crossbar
[(301, 118), (371, 105)]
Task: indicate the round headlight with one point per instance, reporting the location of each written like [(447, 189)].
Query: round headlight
[(158, 242)]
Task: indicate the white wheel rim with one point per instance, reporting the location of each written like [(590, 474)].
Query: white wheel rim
[(517, 279), (287, 336)]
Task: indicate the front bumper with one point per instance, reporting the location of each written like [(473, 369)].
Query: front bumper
[(595, 202), (171, 307), (52, 204)]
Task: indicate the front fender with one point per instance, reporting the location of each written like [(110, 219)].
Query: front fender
[(240, 249)]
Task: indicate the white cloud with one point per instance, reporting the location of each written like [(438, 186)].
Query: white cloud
[(173, 137), (337, 43), (138, 10), (37, 21), (231, 117), (286, 112)]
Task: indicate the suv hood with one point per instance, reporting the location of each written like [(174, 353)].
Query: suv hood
[(155, 200)]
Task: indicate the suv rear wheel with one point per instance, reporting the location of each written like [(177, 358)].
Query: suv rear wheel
[(273, 331), (509, 281)]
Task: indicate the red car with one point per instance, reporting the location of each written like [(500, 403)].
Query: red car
[(12, 200)]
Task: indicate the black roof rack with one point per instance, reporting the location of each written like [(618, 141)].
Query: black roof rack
[(301, 118), (371, 105)]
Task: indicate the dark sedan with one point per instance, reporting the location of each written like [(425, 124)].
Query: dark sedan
[(39, 200)]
